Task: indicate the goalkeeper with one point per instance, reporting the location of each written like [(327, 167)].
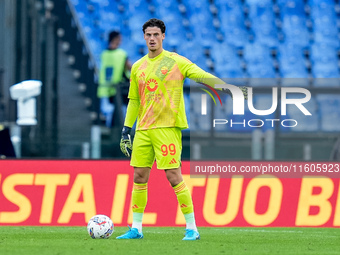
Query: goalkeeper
[(156, 101)]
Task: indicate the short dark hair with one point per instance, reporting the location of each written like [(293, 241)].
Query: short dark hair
[(113, 35), (154, 23)]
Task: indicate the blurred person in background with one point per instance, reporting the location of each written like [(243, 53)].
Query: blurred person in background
[(114, 70), (6, 146)]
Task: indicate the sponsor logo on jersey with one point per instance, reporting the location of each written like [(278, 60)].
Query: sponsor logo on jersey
[(152, 85), (153, 97)]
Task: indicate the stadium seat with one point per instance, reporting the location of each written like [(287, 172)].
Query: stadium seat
[(306, 123), (325, 70), (330, 71), (322, 50), (223, 52), (109, 21), (229, 71), (292, 65), (219, 113), (264, 102), (329, 106), (261, 71), (295, 30), (262, 19), (199, 122), (291, 7), (227, 63), (294, 22), (259, 64), (194, 51), (232, 20), (256, 53), (230, 3), (324, 20), (195, 7), (237, 123)]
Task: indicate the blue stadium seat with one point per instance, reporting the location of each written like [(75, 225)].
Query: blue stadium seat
[(203, 28), (261, 71), (175, 36), (291, 7), (230, 3), (319, 50), (194, 7), (322, 8), (237, 123), (229, 71), (306, 123), (194, 51), (292, 65), (80, 6), (136, 22), (136, 6), (199, 122), (326, 70), (222, 53), (329, 106), (259, 64), (109, 20), (232, 20), (295, 30), (323, 53), (256, 53), (226, 61), (133, 50), (324, 20), (294, 22), (264, 102), (291, 68), (262, 20), (220, 113)]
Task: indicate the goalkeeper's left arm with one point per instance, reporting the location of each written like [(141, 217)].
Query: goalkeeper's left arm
[(201, 76), (192, 71), (131, 116)]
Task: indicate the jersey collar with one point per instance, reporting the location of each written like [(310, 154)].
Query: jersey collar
[(155, 58)]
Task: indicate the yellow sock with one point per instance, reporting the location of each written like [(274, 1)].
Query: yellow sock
[(184, 198), (139, 200), (185, 202)]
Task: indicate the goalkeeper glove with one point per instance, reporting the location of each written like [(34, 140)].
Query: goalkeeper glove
[(125, 141), (243, 89)]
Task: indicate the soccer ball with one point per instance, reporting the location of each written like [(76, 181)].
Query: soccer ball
[(100, 227)]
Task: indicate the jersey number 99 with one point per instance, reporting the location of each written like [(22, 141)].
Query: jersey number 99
[(168, 149)]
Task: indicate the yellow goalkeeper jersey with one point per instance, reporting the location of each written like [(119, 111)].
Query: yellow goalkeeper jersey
[(158, 85)]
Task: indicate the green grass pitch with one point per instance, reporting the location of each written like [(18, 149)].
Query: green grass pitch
[(165, 240)]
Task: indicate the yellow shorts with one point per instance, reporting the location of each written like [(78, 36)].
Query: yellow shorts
[(162, 144)]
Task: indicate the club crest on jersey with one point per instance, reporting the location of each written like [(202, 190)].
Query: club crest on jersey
[(164, 70), (152, 85)]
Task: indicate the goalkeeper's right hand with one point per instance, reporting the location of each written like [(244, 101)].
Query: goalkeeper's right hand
[(125, 141), (243, 89)]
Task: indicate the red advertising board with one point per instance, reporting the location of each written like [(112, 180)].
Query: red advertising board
[(70, 192)]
